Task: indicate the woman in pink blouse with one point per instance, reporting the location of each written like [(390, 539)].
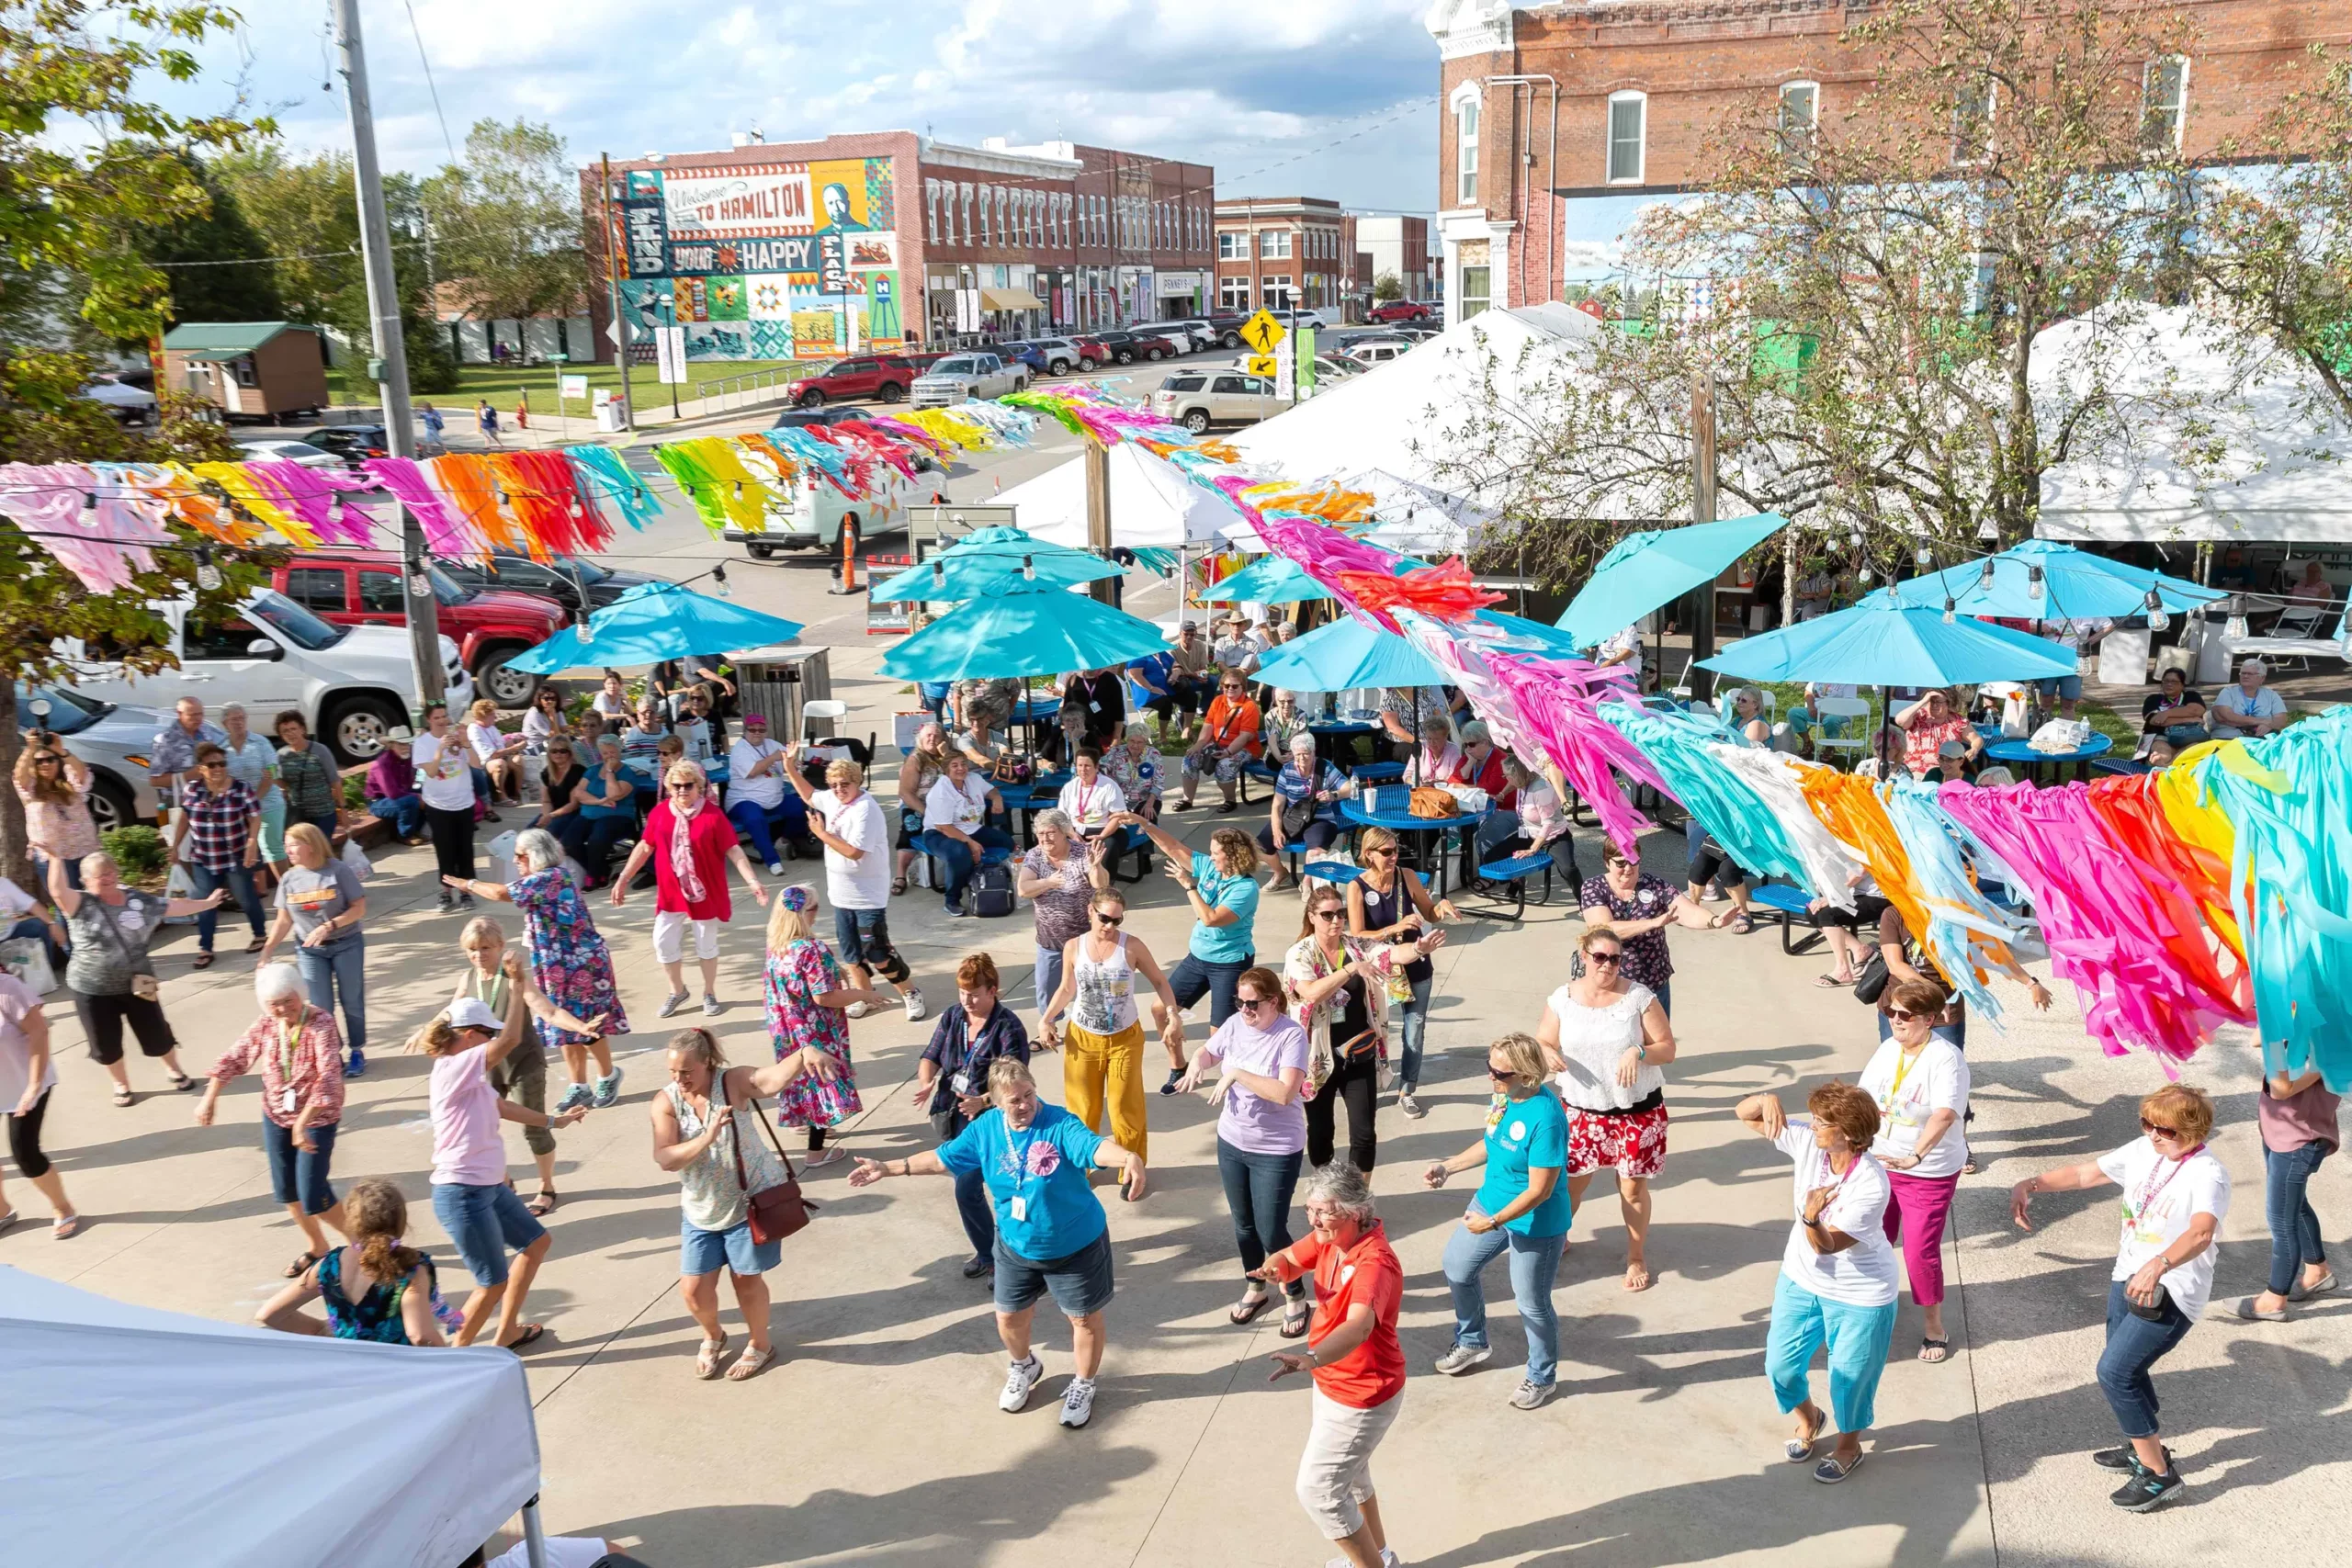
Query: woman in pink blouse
[(300, 1058), (1928, 724)]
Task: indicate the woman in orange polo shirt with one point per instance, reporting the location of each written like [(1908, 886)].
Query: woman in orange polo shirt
[(1352, 1351)]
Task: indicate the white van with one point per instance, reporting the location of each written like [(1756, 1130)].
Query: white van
[(349, 683), (814, 513)]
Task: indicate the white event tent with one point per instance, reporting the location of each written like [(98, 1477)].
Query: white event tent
[(2272, 461), (1151, 504), (133, 1436)]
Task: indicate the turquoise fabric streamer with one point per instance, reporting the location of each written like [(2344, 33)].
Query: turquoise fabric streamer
[(1960, 920), (604, 475), (1680, 746)]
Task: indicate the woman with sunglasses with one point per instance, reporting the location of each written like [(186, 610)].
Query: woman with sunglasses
[(1523, 1207), (1920, 1082), (1608, 1043), (1389, 904), (1095, 983), (444, 781), (1339, 990), (1638, 907), (1221, 889), (691, 844), (2175, 1195), (1231, 737), (1260, 1135), (54, 786), (219, 828), (1837, 1287)]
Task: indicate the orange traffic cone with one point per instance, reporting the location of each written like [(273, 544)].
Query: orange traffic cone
[(849, 561)]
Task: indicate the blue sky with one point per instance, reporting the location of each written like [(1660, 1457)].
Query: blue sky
[(1260, 90)]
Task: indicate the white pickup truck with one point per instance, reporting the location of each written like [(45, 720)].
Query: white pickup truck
[(960, 378), (350, 684)]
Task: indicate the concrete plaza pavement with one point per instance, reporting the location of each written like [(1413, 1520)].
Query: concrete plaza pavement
[(875, 1439)]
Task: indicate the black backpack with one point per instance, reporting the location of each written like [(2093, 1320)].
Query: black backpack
[(992, 891)]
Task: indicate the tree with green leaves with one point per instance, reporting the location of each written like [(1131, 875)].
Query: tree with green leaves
[(216, 260), (506, 223), (1386, 288)]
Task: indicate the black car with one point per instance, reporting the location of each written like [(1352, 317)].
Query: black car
[(565, 579), (1226, 324), (794, 419), (352, 443)]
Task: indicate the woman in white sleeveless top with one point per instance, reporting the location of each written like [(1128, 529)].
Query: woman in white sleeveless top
[(1104, 1037)]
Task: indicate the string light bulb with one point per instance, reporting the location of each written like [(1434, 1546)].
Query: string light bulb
[(1869, 577), (1984, 579), (1028, 569), (208, 576), (1924, 555), (1951, 610), (718, 576), (2033, 585), (2157, 619)]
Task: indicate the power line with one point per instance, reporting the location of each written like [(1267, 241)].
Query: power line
[(418, 34)]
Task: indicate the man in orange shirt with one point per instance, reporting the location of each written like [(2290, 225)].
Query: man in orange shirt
[(1231, 736)]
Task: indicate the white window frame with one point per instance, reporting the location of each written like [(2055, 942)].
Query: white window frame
[(1641, 102), (2177, 109), (1273, 244), (1812, 127), (930, 205), (1233, 293), (966, 186), (1467, 112), (1963, 120)]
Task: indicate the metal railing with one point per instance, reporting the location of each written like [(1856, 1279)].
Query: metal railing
[(751, 388)]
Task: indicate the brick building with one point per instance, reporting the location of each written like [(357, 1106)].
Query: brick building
[(888, 238), (1283, 251), (1395, 243), (1562, 120)]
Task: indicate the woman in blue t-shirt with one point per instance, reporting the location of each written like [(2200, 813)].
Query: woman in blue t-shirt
[(1050, 1231), (1523, 1206), (1221, 887)]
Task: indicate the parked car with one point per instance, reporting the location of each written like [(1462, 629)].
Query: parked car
[(1195, 329), (1198, 398), (363, 588), (350, 684), (1399, 310), (883, 376), (1062, 354), (112, 738), (961, 377), (1378, 350), (792, 419), (284, 451), (815, 514), (1019, 352), (579, 585), (1128, 344), (353, 443), (1331, 367), (1171, 333), (1091, 350), (130, 405)]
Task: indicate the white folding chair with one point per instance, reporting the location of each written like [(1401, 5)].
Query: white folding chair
[(1857, 715), (2295, 623)]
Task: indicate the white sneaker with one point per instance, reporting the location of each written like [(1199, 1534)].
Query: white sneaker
[(1077, 1402), (857, 1010), (917, 1008), (776, 868), (1388, 1558), (1018, 1379), (711, 1008)]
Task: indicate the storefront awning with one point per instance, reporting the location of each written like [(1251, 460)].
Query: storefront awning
[(1010, 299)]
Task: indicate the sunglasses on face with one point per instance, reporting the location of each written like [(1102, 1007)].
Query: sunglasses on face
[(1501, 1075), (216, 763), (2153, 1130), (1104, 919), (1382, 853), (1329, 914), (1605, 955), (685, 789), (1903, 1015), (1251, 1004), (46, 761)]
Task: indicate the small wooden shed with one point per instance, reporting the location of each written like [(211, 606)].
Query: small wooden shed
[(248, 370)]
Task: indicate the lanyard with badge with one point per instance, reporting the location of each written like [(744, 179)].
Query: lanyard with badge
[(287, 1036), (1904, 1062), (2135, 1209), (1017, 1205)]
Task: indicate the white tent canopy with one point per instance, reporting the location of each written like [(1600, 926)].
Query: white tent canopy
[(2274, 460), (1151, 504), (130, 1436), (1417, 519)]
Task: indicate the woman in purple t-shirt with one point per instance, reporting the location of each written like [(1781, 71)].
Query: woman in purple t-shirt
[(1261, 1133)]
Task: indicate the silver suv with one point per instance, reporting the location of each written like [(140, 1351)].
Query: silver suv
[(960, 378), (1198, 398)]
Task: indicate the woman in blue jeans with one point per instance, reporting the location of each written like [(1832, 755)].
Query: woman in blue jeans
[(2298, 1118), (321, 903), (1522, 1207), (2175, 1195)]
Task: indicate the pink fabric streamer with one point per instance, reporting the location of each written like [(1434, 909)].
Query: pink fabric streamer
[(309, 494), (2101, 918), (46, 500), (1320, 550), (1558, 703), (446, 533)]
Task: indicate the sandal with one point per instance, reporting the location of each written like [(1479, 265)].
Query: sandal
[(543, 1203), (1246, 1311), (65, 1229), (1831, 983), (182, 1082), (1940, 1349), (124, 1098), (256, 945), (1741, 925), (707, 1358), (301, 1266), (203, 961), (897, 886), (749, 1363), (530, 1336), (1297, 1313)]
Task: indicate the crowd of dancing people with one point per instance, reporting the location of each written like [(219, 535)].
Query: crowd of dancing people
[(1280, 1050)]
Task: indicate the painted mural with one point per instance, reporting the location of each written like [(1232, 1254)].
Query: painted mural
[(765, 261)]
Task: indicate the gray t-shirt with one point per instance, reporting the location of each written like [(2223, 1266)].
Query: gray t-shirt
[(315, 896), (110, 941)]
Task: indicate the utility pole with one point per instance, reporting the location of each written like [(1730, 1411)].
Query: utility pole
[(613, 280), (1702, 510), (389, 368)]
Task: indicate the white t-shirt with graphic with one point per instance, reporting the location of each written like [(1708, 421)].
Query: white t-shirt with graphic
[(1865, 1274), (2160, 1197), (444, 775), (1936, 1079)]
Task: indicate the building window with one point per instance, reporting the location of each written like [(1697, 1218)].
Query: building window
[(1229, 246), (1972, 120), (967, 190), (1628, 122), (1233, 293), (1800, 117), (931, 205), (2164, 98), (1277, 287), (1476, 290), (1465, 151), (1273, 244)]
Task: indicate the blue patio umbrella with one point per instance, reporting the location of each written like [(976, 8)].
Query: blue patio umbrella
[(1656, 567), (2075, 584), (991, 561), (1030, 628), (1349, 653), (1269, 580), (1892, 645), (655, 621)]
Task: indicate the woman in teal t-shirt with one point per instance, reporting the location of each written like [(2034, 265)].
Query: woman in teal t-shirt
[(1523, 1207), (1221, 888)]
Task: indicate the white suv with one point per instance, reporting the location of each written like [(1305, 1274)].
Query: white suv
[(1198, 398), (349, 683)]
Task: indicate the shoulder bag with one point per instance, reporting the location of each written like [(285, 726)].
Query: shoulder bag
[(143, 984), (775, 1212), (1429, 800), (1870, 984)]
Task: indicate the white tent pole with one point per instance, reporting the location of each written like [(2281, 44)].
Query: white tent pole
[(534, 1540)]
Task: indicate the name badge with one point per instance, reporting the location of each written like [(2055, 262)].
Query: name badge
[(286, 1100), (1018, 1207)]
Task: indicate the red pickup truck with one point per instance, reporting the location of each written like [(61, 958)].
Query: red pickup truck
[(1399, 310), (362, 588)]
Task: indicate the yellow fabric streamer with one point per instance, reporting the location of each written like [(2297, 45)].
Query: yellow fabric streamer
[(232, 478), (743, 495), (179, 488)]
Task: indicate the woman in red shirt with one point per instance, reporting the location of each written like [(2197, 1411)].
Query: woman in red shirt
[(1928, 724), (691, 842), (1353, 1352)]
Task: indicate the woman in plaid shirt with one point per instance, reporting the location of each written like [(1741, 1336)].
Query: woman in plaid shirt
[(219, 824), (300, 1058)]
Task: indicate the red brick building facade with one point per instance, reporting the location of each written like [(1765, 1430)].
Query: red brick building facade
[(1285, 252), (1561, 120)]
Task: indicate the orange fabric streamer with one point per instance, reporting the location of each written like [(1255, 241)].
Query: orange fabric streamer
[(1441, 593), (1850, 808), (472, 486)]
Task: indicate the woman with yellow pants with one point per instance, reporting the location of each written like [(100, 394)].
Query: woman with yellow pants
[(1104, 1037)]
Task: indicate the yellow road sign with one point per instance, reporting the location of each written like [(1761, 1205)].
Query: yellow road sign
[(1262, 331), (1259, 364)]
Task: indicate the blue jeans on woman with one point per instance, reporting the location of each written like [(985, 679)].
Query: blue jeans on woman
[(339, 967), (1258, 1189), (2135, 1344), (2294, 1225), (1534, 1265), (1416, 1028), (239, 881), (960, 858)]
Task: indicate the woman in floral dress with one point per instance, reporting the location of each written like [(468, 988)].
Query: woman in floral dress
[(807, 994), (570, 962)]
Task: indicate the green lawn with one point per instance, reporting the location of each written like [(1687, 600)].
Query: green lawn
[(502, 385)]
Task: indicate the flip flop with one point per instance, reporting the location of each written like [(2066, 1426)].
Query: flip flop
[(1297, 1314), (706, 1358), (301, 1266), (542, 1204), (65, 1229), (125, 1098), (1246, 1311), (182, 1082), (1741, 925), (203, 961), (529, 1336), (1831, 983), (8, 1219), (897, 886), (1942, 1349)]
